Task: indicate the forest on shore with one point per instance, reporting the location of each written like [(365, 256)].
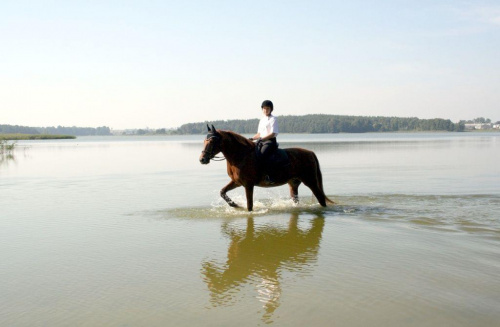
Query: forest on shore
[(318, 123), (307, 124)]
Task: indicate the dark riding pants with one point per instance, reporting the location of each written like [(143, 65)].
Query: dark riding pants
[(266, 148), (264, 152)]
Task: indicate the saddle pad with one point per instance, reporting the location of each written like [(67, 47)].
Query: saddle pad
[(279, 158)]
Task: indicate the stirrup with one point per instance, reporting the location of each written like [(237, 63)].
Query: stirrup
[(269, 180)]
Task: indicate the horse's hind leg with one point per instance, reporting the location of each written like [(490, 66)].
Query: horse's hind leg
[(318, 193), (230, 186), (294, 189)]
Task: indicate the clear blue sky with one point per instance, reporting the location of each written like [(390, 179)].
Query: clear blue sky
[(156, 63)]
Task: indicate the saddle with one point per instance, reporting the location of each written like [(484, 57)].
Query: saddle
[(274, 162)]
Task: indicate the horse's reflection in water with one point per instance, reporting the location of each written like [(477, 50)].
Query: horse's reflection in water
[(258, 256)]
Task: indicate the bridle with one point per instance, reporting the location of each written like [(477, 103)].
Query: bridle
[(209, 149)]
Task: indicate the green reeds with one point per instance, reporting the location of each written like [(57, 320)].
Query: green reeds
[(34, 137), (5, 147)]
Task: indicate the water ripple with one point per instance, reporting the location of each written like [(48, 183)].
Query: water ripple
[(453, 213), (465, 213)]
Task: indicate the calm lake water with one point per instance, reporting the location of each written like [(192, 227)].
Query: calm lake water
[(131, 231)]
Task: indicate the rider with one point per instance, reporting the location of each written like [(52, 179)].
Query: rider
[(266, 135)]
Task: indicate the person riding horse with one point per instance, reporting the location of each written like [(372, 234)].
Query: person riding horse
[(243, 167), (266, 139)]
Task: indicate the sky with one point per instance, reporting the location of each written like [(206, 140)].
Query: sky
[(161, 64)]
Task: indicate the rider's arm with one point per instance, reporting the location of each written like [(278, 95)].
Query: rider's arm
[(255, 137), (270, 136)]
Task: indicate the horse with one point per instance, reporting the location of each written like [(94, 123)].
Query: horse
[(243, 167)]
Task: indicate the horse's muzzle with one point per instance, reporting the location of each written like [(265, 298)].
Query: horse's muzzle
[(204, 161)]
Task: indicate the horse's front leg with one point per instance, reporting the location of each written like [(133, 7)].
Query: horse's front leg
[(230, 186), (249, 194)]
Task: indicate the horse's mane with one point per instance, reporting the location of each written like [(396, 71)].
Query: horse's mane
[(238, 138)]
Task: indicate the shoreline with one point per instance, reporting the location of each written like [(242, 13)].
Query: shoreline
[(18, 137)]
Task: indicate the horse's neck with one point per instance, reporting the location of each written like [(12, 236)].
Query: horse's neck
[(235, 150)]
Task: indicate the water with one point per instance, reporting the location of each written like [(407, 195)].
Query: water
[(124, 231)]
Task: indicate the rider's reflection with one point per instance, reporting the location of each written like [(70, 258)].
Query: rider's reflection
[(257, 256)]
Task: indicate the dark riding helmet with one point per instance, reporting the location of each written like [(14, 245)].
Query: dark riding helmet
[(267, 103)]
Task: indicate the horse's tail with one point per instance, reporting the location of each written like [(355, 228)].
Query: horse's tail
[(320, 179)]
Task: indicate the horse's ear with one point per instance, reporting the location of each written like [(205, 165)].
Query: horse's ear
[(208, 128), (213, 128)]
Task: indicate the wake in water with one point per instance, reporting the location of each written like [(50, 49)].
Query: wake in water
[(262, 207), (470, 213), (267, 202), (476, 214)]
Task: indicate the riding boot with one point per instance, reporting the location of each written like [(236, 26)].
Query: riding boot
[(269, 173)]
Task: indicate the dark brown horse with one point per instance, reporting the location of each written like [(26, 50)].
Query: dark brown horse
[(242, 167)]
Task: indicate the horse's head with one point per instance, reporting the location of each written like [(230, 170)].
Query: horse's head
[(212, 145)]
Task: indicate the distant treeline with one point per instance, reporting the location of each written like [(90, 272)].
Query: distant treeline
[(287, 124), (329, 124), (76, 131)]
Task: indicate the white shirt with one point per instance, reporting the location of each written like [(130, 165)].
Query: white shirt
[(268, 125)]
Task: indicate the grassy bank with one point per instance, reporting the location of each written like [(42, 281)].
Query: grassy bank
[(34, 137)]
